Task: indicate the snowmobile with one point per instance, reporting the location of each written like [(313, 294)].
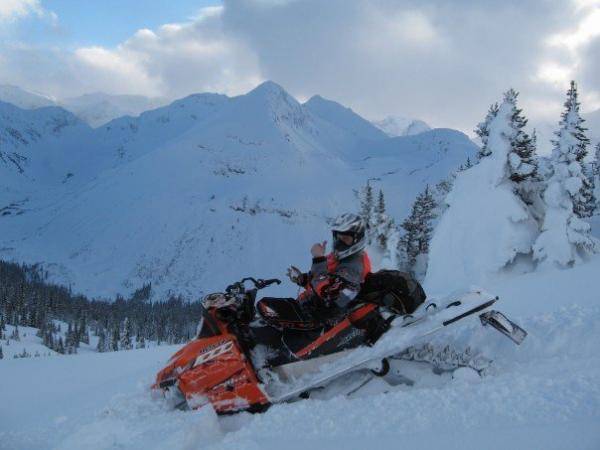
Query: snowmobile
[(226, 366)]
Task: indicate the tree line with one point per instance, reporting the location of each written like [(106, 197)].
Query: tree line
[(28, 299)]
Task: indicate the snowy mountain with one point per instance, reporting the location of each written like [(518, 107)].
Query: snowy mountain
[(95, 109), (185, 196), (344, 118), (41, 146), (401, 126), (99, 108), (24, 99)]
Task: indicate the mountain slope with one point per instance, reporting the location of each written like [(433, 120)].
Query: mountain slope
[(41, 146), (395, 126), (24, 99), (98, 109), (343, 118), (210, 189)]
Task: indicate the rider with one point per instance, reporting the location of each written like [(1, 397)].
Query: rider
[(332, 283)]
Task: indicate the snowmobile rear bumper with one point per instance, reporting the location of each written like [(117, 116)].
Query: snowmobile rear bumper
[(504, 325)]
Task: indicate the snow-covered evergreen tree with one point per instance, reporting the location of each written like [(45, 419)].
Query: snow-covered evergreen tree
[(385, 234), (484, 203), (127, 335), (116, 337), (566, 238), (140, 342), (60, 347), (101, 346), (483, 131), (571, 145), (522, 160), (367, 207), (597, 160), (596, 177), (414, 244)]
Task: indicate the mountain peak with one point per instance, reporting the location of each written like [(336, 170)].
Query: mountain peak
[(268, 87)]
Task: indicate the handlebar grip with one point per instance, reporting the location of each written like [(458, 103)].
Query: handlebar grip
[(265, 283)]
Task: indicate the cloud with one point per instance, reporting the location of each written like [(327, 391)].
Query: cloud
[(11, 10), (441, 61)]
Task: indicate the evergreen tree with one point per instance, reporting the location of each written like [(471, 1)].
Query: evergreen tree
[(381, 221), (101, 346), (570, 147), (522, 159), (140, 341), (126, 336), (565, 238), (483, 131), (116, 337), (596, 177), (414, 244), (83, 334), (1, 354), (60, 348), (367, 209), (15, 334), (597, 160)]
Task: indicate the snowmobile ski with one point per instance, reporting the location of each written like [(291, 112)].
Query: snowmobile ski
[(437, 317)]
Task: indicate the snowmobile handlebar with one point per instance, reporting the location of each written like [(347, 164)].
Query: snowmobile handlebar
[(238, 287)]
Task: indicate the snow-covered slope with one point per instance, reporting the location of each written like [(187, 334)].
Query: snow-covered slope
[(401, 126), (543, 394), (24, 99), (99, 108), (343, 118), (209, 189), (43, 147)]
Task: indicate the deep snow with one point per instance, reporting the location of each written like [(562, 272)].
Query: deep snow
[(544, 394)]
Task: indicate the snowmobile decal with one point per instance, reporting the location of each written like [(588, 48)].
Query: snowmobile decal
[(209, 354)]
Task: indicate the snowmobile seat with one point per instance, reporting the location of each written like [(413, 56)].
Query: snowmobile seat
[(398, 291)]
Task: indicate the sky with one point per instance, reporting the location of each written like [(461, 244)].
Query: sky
[(438, 60)]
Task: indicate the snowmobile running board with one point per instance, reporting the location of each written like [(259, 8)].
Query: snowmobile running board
[(363, 363)]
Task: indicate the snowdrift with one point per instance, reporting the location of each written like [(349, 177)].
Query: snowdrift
[(543, 394)]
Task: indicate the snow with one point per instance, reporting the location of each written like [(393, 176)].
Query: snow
[(99, 108), (95, 109), (172, 197), (210, 188), (395, 126), (486, 228), (23, 98), (543, 394)]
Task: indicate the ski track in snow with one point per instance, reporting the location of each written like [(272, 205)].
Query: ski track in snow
[(544, 394)]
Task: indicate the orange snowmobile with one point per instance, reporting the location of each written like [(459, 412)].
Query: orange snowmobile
[(218, 366), (233, 360)]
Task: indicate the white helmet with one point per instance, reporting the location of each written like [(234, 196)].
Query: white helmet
[(351, 225)]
